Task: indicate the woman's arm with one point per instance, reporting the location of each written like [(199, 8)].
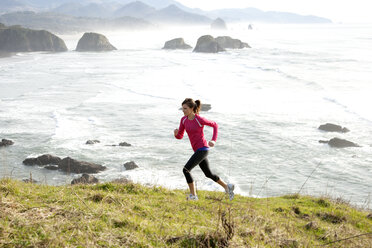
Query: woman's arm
[(178, 133), (204, 121)]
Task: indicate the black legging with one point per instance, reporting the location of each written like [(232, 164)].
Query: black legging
[(199, 157)]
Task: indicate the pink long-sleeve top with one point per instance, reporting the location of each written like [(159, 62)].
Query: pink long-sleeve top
[(194, 129)]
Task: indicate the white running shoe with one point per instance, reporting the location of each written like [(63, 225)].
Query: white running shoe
[(192, 197), (230, 191)]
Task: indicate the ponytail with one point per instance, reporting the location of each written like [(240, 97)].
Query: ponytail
[(194, 105), (197, 107)]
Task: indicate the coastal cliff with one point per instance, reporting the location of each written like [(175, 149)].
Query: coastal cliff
[(19, 39)]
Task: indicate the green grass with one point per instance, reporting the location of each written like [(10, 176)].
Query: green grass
[(132, 215)]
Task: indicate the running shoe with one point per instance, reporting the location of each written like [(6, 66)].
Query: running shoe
[(192, 197)]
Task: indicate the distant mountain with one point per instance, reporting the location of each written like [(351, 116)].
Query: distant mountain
[(160, 4), (90, 10), (60, 23), (256, 15), (69, 9), (155, 11), (135, 9), (174, 15), (12, 5), (48, 4)]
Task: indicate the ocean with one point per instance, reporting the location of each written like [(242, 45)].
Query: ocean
[(268, 101)]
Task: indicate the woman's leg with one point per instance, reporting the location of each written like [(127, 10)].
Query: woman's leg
[(204, 165), (195, 159), (229, 188), (222, 183), (192, 188)]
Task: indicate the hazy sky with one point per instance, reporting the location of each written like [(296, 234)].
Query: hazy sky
[(336, 10)]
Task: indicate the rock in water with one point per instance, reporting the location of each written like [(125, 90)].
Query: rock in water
[(85, 179), (5, 142), (205, 107), (218, 24), (228, 42), (124, 144), (92, 142), (42, 160), (94, 42), (18, 39), (73, 166), (130, 165), (329, 127), (177, 43), (341, 143), (207, 44)]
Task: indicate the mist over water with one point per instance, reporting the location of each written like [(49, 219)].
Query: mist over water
[(268, 101)]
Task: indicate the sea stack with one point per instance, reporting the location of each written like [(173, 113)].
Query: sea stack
[(228, 42), (177, 43), (207, 44), (329, 127), (93, 42), (218, 24)]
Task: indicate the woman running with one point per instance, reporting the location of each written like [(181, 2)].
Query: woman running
[(193, 123)]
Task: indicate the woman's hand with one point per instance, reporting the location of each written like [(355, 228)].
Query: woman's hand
[(175, 132), (211, 143)]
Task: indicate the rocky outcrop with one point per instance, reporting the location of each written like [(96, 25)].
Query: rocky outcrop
[(18, 39), (130, 165), (93, 42), (5, 142), (74, 166), (85, 179), (124, 144), (46, 159), (51, 167), (339, 143), (218, 24), (67, 164), (177, 43), (207, 44), (228, 42), (92, 142), (329, 127)]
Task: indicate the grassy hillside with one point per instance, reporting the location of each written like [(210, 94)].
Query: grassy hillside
[(132, 215)]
